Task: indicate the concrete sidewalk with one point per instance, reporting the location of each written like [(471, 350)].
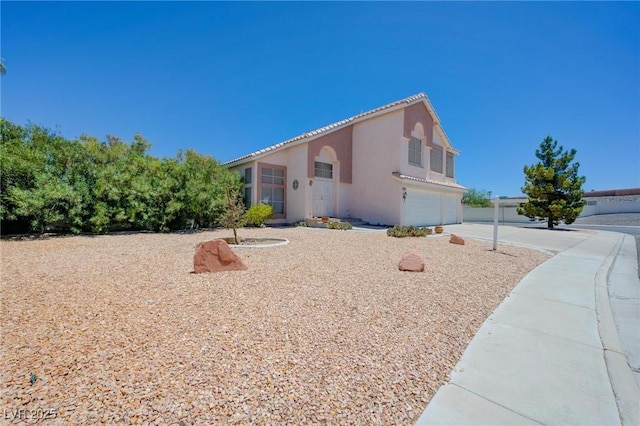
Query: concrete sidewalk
[(554, 351)]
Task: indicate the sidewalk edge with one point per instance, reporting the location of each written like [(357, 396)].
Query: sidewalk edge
[(623, 384)]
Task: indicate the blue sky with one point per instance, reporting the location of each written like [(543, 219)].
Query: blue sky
[(229, 78)]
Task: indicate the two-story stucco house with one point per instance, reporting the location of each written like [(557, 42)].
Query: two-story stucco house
[(391, 165)]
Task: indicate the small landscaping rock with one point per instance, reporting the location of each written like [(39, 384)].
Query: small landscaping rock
[(456, 240), (216, 256), (411, 261)]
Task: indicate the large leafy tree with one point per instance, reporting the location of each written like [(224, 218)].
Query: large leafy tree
[(52, 183), (553, 186), (203, 187), (37, 176), (477, 198)]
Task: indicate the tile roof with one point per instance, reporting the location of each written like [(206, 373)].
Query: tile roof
[(430, 181), (410, 100)]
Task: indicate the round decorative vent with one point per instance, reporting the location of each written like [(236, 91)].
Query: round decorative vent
[(295, 184)]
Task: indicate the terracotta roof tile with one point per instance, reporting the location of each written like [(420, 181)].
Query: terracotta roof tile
[(431, 181), (338, 124)]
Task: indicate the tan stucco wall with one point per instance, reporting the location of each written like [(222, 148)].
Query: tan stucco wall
[(377, 150), (299, 205)]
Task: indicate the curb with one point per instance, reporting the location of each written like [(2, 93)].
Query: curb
[(623, 384), (283, 242)]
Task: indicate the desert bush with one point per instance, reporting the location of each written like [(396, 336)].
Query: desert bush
[(301, 224), (399, 231), (343, 226), (258, 213)]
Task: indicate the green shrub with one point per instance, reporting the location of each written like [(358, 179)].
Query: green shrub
[(258, 213), (398, 231), (408, 231), (477, 198), (343, 226), (302, 223)]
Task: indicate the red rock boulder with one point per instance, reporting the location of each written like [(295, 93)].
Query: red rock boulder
[(411, 261), (216, 256), (456, 240)]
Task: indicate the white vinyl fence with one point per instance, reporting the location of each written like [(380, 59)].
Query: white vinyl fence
[(595, 206)]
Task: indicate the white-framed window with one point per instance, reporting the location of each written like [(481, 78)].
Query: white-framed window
[(275, 198), (272, 175), (272, 188), (323, 170), (450, 168), (415, 152), (436, 159), (246, 199), (248, 178)]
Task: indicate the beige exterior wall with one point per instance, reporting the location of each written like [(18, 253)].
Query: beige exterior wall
[(378, 150), (298, 202), (364, 156)]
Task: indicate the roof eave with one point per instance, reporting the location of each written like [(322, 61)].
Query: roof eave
[(304, 139), (440, 186)]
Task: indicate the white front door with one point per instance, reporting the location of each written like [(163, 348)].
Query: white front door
[(322, 197)]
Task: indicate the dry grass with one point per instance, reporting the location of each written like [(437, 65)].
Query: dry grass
[(323, 330)]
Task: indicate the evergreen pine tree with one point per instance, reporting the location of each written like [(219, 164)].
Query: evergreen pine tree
[(553, 186)]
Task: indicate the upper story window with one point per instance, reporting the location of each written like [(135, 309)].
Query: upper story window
[(323, 170), (247, 175), (436, 159), (450, 168), (415, 152)]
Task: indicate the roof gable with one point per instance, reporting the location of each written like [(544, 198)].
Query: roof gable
[(385, 109)]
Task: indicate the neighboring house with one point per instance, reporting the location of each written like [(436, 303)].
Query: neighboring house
[(391, 165)]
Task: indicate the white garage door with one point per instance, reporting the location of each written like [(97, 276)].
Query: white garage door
[(450, 209), (422, 208)]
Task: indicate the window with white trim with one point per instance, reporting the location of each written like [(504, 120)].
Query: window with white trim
[(272, 179), (323, 170), (415, 152), (275, 198), (450, 169), (272, 176), (436, 159), (246, 199)]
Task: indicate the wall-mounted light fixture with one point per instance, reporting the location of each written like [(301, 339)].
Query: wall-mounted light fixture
[(404, 194), (311, 182)]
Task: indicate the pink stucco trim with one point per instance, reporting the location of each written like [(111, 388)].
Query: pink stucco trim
[(417, 113), (342, 143), (258, 184)]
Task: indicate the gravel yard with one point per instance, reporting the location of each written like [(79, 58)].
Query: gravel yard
[(324, 330)]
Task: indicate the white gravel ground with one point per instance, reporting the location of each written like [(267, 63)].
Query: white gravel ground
[(324, 330)]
